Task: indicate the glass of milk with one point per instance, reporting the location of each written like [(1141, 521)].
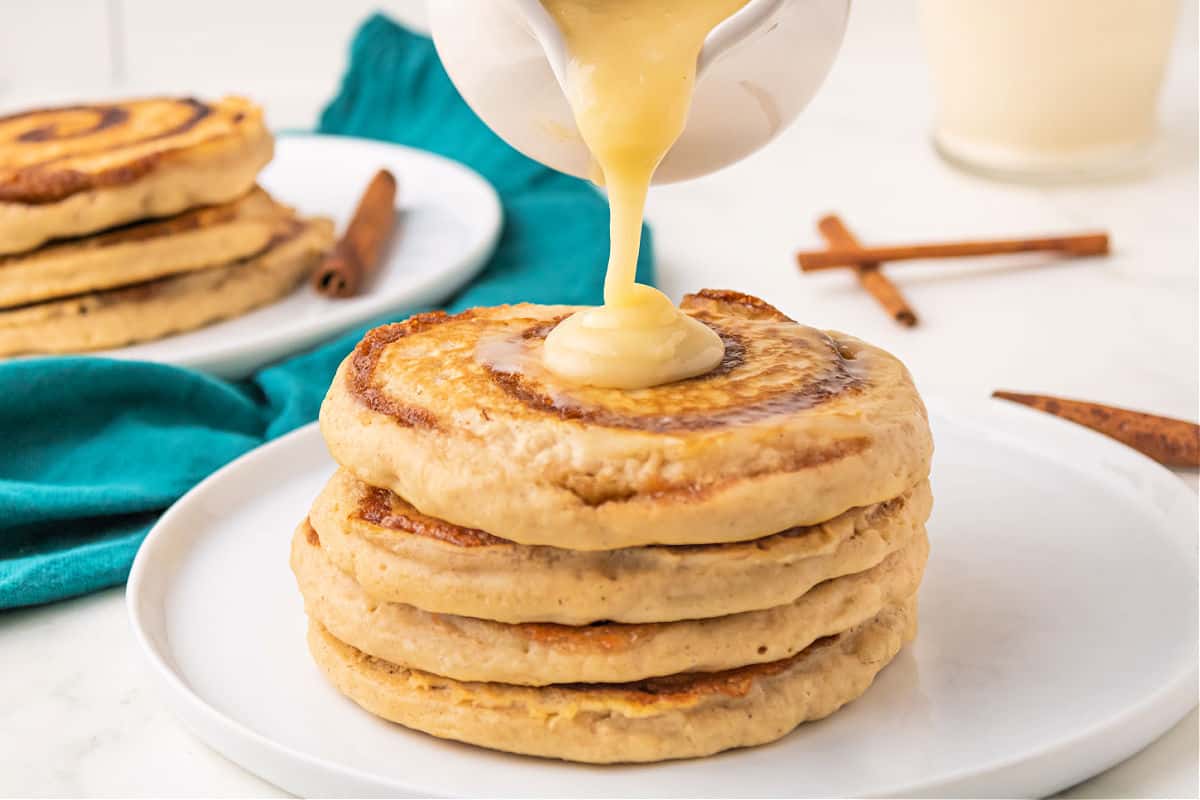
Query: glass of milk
[(1047, 89)]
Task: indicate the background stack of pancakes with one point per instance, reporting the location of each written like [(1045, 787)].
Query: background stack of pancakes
[(604, 575), (129, 221)]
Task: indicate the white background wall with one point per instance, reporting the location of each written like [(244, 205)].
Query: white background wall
[(286, 54)]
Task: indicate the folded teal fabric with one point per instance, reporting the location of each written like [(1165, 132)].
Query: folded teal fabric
[(93, 450)]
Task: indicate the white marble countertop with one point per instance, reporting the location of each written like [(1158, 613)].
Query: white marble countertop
[(77, 715)]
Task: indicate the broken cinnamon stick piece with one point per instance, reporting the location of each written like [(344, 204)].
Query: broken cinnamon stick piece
[(354, 258), (870, 277), (1086, 244), (1172, 442)]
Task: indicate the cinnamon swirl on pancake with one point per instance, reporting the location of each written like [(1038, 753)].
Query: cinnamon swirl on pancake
[(458, 416), (74, 170)]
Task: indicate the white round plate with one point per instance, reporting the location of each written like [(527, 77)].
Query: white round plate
[(449, 220), (1058, 636)]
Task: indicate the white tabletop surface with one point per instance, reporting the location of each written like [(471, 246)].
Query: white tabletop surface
[(77, 716)]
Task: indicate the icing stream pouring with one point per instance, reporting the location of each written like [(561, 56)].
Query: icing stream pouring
[(629, 79)]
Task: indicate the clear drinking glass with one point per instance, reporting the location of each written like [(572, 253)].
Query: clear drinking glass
[(1047, 89)]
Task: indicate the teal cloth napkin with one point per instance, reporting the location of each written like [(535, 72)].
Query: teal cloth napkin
[(93, 450)]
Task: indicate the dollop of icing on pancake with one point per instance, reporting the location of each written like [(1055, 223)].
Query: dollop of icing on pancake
[(643, 342)]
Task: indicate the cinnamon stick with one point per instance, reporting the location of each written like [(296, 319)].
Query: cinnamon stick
[(1086, 244), (870, 276), (354, 258), (1172, 442)]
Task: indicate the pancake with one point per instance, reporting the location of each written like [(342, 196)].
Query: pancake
[(457, 415), (78, 169), (399, 555), (537, 654), (139, 252), (679, 716), (154, 309)]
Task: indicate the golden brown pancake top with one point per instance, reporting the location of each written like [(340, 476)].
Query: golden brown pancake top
[(772, 366), (49, 154), (458, 415)]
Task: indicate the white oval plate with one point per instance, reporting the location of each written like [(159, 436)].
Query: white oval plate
[(449, 221), (1058, 636)]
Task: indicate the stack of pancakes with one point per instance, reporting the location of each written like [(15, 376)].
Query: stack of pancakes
[(129, 221), (602, 575)]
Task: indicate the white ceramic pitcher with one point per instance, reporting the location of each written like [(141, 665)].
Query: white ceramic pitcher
[(756, 72)]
